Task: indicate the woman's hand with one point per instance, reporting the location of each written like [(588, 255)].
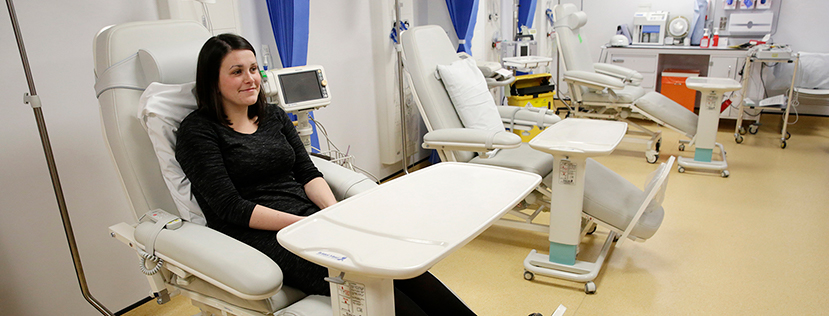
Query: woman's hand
[(266, 218)]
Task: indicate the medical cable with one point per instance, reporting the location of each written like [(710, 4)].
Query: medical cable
[(143, 263), (347, 161), (33, 99)]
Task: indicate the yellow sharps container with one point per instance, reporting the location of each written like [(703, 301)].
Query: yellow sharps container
[(535, 90)]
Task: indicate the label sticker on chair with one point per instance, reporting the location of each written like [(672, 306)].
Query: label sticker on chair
[(567, 172), (352, 298)]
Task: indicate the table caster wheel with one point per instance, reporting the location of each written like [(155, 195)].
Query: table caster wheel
[(680, 169), (783, 144), (738, 139), (753, 129), (725, 174), (742, 130), (592, 229), (658, 145), (651, 158), (681, 147), (590, 288), (788, 135), (529, 276)]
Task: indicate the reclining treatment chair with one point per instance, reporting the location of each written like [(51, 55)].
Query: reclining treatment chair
[(606, 91), (609, 199), (219, 274)]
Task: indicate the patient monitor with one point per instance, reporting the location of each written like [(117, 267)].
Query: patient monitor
[(298, 90)]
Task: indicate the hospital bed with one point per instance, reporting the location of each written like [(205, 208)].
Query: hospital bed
[(180, 255), (434, 70), (605, 91)]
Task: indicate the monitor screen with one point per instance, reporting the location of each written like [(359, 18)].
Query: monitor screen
[(300, 86), (650, 28)]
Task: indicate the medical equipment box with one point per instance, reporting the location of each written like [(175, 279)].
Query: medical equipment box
[(673, 87), (535, 90)]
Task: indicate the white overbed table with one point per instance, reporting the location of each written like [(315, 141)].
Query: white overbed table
[(571, 142), (401, 229)]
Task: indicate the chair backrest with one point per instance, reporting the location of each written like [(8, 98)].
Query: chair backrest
[(127, 140), (426, 47), (573, 48), (655, 189)]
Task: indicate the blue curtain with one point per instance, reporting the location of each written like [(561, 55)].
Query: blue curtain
[(289, 20), (526, 13), (464, 14)]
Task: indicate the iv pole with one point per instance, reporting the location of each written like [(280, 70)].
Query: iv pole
[(32, 99), (399, 47)]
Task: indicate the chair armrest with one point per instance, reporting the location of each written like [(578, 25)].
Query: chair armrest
[(468, 139), (593, 80), (527, 116), (626, 74), (344, 183), (216, 258)]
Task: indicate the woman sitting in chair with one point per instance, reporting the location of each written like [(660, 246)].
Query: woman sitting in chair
[(251, 175)]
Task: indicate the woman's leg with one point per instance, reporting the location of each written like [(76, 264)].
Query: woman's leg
[(298, 273), (432, 296)]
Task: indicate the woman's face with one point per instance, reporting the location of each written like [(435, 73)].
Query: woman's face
[(239, 79)]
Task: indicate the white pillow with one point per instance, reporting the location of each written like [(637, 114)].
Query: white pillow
[(468, 91), (160, 110)]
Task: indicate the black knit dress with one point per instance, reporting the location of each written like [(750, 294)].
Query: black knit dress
[(232, 172)]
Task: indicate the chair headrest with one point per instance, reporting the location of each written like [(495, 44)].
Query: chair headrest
[(568, 16), (170, 64)]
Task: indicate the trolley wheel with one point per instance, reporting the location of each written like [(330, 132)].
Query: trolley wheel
[(742, 130), (725, 173), (753, 129), (680, 169), (529, 276), (783, 144), (590, 288), (658, 145), (681, 147), (738, 139), (651, 158), (788, 135), (592, 230)]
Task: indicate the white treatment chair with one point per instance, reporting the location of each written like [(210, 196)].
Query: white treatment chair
[(605, 91), (220, 275), (616, 205)]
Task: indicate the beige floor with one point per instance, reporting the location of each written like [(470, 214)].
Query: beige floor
[(751, 244)]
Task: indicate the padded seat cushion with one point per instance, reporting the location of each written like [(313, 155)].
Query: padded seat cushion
[(612, 199), (522, 158), (626, 95), (669, 112)]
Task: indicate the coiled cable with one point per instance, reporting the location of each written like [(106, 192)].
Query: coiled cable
[(143, 260)]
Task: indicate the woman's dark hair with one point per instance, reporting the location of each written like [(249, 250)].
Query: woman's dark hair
[(208, 95)]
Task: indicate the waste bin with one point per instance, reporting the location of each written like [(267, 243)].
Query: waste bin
[(535, 90), (673, 87)]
